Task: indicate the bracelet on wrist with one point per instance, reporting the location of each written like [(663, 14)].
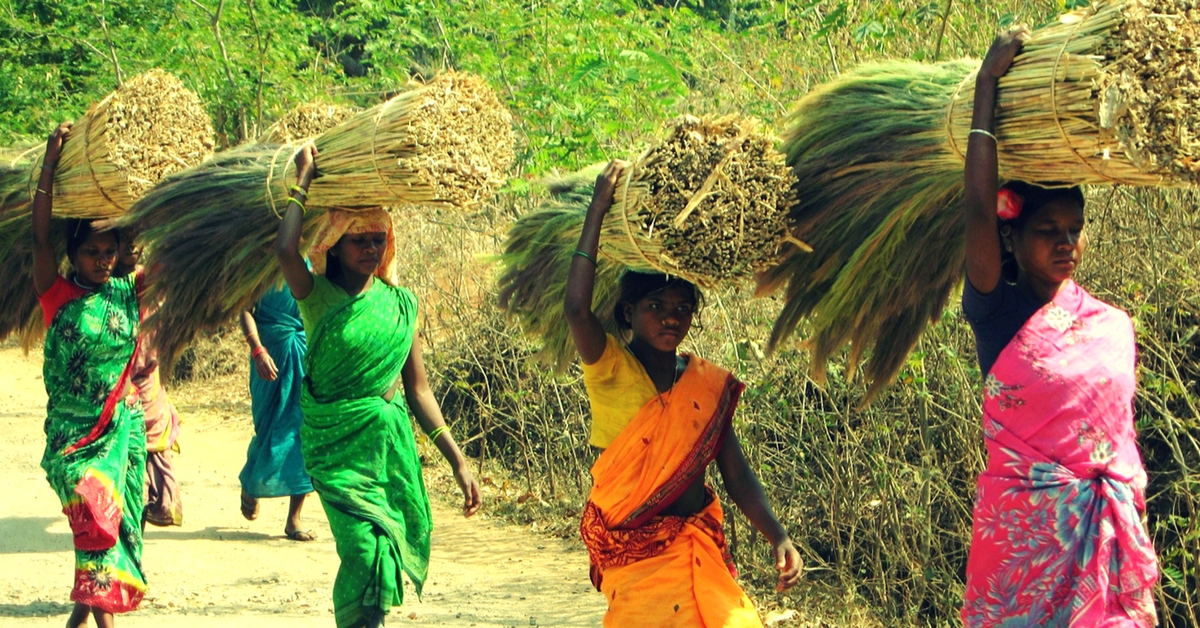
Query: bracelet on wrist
[(259, 350), (433, 436), (983, 132), (584, 255)]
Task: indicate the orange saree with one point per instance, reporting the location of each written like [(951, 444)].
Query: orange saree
[(666, 570)]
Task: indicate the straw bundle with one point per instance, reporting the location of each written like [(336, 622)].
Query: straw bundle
[(708, 204), (447, 142), (148, 128), (211, 226), (305, 121), (536, 260), (210, 229), (877, 156)]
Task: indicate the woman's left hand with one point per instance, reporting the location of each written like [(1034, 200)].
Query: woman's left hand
[(470, 490), (789, 564)]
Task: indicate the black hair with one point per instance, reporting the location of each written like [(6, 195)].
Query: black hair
[(636, 286), (1033, 198), (78, 232)]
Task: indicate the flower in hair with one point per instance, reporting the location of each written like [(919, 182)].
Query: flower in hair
[(1008, 204)]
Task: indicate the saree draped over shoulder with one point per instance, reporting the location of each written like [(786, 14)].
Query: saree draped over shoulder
[(361, 453), (96, 441), (1057, 536), (660, 570), (274, 463)]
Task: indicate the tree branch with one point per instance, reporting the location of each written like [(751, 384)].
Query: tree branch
[(112, 49)]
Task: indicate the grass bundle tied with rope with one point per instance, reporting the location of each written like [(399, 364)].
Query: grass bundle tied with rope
[(707, 203), (150, 127), (306, 120), (1101, 97), (210, 228)]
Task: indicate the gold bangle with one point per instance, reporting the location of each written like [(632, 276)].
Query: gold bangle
[(48, 195)]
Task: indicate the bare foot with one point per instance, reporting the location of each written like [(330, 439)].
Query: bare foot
[(249, 507)]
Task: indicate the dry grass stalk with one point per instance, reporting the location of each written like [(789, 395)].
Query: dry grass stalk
[(306, 120), (1105, 96), (447, 142), (708, 203), (210, 227), (877, 156), (147, 129)]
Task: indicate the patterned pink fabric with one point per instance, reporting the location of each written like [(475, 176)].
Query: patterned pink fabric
[(1058, 538)]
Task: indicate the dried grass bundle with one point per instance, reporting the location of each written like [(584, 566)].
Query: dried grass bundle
[(536, 260), (210, 228), (147, 129), (877, 156), (305, 121), (708, 203), (447, 142)]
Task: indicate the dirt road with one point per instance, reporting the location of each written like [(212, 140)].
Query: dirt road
[(219, 570)]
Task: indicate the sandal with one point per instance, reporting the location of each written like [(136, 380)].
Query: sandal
[(249, 507), (301, 535)]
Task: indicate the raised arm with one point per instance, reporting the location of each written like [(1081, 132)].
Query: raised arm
[(45, 262), (746, 491), (982, 169), (287, 240), (425, 408), (586, 329)]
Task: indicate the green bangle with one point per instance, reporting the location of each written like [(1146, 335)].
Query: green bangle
[(437, 432), (584, 255), (301, 191), (293, 199)]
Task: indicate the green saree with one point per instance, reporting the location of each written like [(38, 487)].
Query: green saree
[(95, 457), (360, 450)]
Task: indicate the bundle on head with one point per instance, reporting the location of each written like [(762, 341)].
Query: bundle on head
[(708, 204), (305, 121), (878, 157), (148, 128), (210, 228)]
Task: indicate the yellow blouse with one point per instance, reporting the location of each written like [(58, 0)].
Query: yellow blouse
[(617, 388)]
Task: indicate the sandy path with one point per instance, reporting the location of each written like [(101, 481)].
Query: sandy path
[(221, 570)]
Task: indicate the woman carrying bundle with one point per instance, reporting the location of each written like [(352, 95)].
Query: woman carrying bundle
[(356, 437), (652, 527), (1058, 537), (95, 453), (163, 499), (274, 463)]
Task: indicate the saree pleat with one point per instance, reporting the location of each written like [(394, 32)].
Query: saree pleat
[(96, 442), (274, 460), (361, 453), (666, 570), (1058, 538)]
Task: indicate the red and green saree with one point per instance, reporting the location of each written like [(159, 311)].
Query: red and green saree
[(95, 453)]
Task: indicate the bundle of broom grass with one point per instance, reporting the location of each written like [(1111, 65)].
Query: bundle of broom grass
[(210, 228), (707, 203), (1097, 98), (306, 120), (148, 128)]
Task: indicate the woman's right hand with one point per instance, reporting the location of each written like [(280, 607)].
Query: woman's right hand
[(264, 365), (54, 145), (1004, 49), (306, 163), (606, 185)]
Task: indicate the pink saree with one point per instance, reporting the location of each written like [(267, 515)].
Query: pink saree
[(1058, 538)]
